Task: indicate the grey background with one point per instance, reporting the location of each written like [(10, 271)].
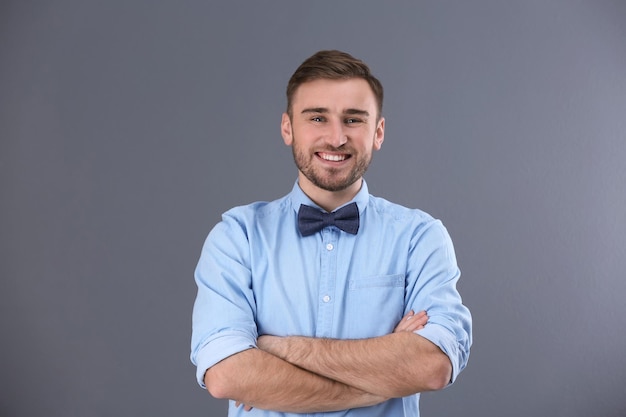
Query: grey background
[(127, 128)]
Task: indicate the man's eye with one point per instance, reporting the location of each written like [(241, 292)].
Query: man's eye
[(317, 119), (351, 121)]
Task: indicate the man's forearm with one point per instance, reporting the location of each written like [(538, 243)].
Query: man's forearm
[(394, 365), (262, 380)]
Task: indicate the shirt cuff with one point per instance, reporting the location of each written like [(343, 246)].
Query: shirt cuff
[(446, 341), (220, 347)]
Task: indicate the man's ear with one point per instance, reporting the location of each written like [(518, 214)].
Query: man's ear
[(285, 129), (379, 136)]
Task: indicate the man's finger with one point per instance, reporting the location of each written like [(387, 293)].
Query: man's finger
[(245, 407), (412, 322), (402, 325)]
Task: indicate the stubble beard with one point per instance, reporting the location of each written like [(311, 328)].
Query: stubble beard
[(328, 178)]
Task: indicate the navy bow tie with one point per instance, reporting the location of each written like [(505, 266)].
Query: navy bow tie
[(312, 220)]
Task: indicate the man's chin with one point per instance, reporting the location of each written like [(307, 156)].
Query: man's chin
[(334, 186)]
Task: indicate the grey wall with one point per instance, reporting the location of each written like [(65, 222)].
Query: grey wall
[(127, 128)]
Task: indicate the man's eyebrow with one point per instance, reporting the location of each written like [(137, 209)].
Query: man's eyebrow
[(358, 112), (315, 110)]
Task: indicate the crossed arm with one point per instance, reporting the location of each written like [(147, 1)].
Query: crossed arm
[(300, 374), (261, 380)]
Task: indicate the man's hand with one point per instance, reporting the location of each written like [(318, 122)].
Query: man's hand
[(245, 407), (412, 322)]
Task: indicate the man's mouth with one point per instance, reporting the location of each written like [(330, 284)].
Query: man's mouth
[(333, 157)]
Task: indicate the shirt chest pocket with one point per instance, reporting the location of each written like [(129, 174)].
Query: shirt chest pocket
[(380, 281), (374, 305)]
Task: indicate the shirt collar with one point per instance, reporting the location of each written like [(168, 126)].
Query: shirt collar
[(298, 197)]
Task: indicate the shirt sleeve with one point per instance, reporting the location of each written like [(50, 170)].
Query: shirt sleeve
[(223, 314), (432, 278)]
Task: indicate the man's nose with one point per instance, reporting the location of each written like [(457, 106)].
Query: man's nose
[(336, 134)]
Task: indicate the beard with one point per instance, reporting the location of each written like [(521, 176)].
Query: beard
[(329, 179)]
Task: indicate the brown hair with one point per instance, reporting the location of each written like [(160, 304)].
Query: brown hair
[(333, 65)]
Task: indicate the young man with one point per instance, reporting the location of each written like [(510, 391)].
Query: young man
[(308, 304)]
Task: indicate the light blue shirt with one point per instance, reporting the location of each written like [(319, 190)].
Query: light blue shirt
[(257, 275)]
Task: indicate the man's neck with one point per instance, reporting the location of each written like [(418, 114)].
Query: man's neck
[(329, 200)]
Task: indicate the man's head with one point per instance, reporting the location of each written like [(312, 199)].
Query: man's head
[(333, 65), (333, 125)]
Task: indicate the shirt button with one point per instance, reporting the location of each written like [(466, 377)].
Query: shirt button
[(326, 298), (329, 246)]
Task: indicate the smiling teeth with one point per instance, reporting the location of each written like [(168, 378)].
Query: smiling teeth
[(334, 158)]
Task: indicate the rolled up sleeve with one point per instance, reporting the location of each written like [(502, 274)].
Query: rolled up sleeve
[(223, 345), (449, 344)]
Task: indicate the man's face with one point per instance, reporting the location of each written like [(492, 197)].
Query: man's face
[(333, 131)]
